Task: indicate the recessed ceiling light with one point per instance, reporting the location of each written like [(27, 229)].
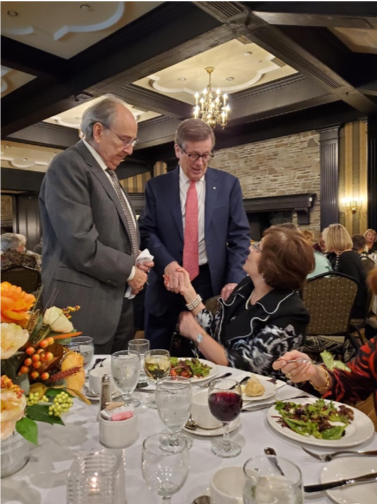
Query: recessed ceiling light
[(6, 146), (182, 78), (12, 13), (230, 78), (24, 159), (247, 53), (85, 7), (260, 61), (77, 118)]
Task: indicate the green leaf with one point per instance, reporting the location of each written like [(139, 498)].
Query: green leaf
[(39, 412), (53, 392), (10, 366), (28, 429), (331, 364)]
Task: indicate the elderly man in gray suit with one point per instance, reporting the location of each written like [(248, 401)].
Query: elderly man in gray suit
[(90, 236)]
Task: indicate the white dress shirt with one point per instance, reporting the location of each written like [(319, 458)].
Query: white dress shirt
[(184, 184), (102, 164)]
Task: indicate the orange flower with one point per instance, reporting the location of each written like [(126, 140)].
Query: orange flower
[(15, 303)]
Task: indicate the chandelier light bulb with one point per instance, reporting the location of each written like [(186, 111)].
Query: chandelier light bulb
[(211, 106)]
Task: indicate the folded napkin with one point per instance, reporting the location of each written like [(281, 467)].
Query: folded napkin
[(144, 256)]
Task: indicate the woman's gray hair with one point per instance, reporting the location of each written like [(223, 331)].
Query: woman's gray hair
[(11, 241), (103, 112)]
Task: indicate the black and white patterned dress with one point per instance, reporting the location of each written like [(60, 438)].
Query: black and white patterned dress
[(254, 336)]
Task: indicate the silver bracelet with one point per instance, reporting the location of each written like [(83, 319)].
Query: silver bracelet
[(191, 306)]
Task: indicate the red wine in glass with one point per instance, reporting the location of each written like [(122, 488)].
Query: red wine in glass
[(225, 405)]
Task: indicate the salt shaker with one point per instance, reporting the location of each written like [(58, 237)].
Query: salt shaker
[(105, 392)]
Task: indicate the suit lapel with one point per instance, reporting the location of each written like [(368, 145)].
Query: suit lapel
[(212, 190), (105, 182), (175, 201)]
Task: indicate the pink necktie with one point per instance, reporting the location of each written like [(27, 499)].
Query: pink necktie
[(191, 243)]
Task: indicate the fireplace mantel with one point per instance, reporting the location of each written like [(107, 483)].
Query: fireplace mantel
[(299, 203)]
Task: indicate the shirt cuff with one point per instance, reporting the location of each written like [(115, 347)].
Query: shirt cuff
[(132, 274)]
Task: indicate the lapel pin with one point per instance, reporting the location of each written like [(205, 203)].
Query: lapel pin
[(214, 187)]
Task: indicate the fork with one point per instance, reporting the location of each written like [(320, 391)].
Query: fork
[(326, 457)]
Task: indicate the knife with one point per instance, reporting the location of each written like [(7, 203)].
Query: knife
[(334, 484)]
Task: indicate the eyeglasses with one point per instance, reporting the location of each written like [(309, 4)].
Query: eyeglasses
[(125, 142), (256, 246), (195, 157)]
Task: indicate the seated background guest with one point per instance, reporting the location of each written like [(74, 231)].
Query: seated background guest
[(344, 260), (322, 264), (320, 245), (264, 316), (359, 243), (370, 236), (13, 252)]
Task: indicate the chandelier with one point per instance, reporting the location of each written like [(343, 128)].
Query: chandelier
[(210, 108)]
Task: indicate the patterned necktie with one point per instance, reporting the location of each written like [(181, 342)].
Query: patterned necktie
[(127, 213), (191, 243)]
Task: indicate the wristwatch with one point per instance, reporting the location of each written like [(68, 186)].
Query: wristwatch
[(199, 338)]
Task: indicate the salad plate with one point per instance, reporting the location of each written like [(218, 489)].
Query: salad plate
[(269, 391), (212, 372), (359, 430), (218, 431), (341, 468)]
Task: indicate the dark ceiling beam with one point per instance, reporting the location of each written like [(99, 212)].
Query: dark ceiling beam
[(154, 41), (30, 60), (46, 135), (325, 14)]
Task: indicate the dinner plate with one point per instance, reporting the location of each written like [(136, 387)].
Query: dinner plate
[(214, 432), (269, 391), (347, 467), (212, 372), (359, 430)]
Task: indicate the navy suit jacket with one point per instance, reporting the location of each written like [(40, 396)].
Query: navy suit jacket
[(227, 232)]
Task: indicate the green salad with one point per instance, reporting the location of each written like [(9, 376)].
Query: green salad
[(189, 368), (322, 419)]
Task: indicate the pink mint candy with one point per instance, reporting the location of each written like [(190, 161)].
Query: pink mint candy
[(122, 415)]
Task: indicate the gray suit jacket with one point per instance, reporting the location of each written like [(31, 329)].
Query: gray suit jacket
[(86, 245)]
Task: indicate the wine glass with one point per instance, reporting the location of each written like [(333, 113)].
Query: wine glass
[(157, 365), (125, 370), (173, 399), (225, 404), (140, 346), (271, 479), (164, 472), (84, 346)]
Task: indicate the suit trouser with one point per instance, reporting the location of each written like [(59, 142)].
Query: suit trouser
[(159, 329), (125, 331)]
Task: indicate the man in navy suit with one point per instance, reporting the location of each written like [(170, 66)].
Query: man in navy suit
[(223, 233)]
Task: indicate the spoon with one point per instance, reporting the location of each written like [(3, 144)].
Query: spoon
[(192, 425), (272, 453), (203, 499)]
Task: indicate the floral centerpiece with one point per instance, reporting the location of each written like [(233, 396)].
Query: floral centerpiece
[(39, 376)]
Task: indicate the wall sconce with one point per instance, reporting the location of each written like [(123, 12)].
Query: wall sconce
[(352, 204)]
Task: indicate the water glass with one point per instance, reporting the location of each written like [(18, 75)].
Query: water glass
[(164, 471), (83, 345), (225, 404), (173, 399), (125, 370), (96, 477), (141, 346), (265, 483), (157, 365)]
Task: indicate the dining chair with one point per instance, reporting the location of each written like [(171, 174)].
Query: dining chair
[(28, 279), (329, 299)]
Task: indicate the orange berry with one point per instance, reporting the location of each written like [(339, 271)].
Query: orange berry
[(24, 369), (37, 364), (49, 356), (35, 357), (34, 375), (50, 340), (43, 343), (40, 350), (45, 376), (28, 361), (30, 350), (42, 356)]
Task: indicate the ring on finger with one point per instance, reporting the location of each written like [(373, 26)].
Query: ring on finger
[(289, 375)]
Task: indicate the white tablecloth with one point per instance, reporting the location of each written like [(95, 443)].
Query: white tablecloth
[(42, 480)]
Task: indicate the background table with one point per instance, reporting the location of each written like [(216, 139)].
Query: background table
[(42, 480)]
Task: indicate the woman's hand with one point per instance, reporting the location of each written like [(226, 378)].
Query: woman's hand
[(188, 326), (298, 371)]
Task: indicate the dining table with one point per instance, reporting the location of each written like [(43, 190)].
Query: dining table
[(43, 479)]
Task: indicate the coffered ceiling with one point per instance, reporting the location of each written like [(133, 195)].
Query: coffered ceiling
[(286, 66)]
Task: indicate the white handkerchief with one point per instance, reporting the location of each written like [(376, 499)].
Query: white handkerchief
[(144, 256)]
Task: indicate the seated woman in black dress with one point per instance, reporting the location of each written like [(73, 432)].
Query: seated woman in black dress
[(344, 260), (370, 236), (264, 316)]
